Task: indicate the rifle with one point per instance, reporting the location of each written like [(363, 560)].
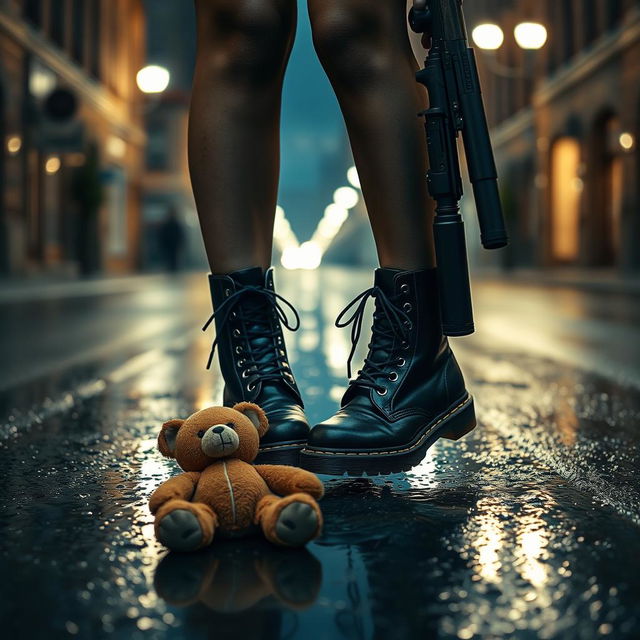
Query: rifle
[(455, 105)]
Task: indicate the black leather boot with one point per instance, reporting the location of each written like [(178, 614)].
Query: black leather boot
[(253, 358), (410, 391)]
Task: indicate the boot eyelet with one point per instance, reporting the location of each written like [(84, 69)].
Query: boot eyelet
[(233, 314), (401, 362), (408, 324), (407, 306), (240, 363), (246, 374), (239, 349), (382, 392), (236, 333), (404, 288), (393, 376), (227, 293), (404, 345), (251, 386)]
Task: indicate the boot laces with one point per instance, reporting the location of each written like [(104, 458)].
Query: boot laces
[(264, 360), (390, 323)]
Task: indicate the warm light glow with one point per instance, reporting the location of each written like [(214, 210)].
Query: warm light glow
[(488, 36), (530, 35), (153, 79), (626, 141), (353, 177), (283, 235), (52, 165), (310, 255), (289, 258), (306, 256), (346, 197), (335, 214), (76, 159), (116, 147), (565, 199), (14, 144)]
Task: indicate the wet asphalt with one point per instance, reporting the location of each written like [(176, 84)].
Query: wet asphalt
[(527, 528)]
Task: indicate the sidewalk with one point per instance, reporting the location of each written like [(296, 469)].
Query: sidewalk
[(596, 280), (55, 287), (28, 289)]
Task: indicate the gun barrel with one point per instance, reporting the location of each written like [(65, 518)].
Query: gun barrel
[(477, 145)]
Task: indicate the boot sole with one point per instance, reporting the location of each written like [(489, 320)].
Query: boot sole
[(453, 424), (288, 455)]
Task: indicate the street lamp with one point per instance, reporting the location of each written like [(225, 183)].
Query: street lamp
[(488, 36), (529, 36), (153, 79)]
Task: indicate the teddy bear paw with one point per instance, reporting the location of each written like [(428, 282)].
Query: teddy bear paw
[(297, 524), (180, 530)]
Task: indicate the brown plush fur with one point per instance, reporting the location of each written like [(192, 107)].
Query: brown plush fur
[(226, 493)]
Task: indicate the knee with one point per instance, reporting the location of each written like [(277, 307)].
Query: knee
[(349, 41), (245, 40)]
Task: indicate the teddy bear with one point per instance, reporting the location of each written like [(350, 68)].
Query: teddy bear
[(221, 492)]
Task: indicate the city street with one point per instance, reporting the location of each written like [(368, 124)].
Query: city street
[(526, 528)]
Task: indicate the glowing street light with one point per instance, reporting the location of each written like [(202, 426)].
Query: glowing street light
[(488, 36), (52, 165), (346, 197), (353, 177), (153, 79), (530, 35), (626, 140)]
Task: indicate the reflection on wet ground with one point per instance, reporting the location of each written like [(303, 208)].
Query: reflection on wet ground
[(527, 528)]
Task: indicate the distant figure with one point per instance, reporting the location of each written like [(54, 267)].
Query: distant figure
[(171, 237)]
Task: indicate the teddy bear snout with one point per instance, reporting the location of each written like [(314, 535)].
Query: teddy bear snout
[(219, 441)]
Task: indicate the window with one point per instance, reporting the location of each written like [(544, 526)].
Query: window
[(32, 11), (56, 21), (566, 189), (77, 30), (94, 39)]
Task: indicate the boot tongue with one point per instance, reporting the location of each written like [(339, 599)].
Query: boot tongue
[(257, 314), (251, 276), (384, 279)]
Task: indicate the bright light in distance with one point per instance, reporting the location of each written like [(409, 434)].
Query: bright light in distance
[(14, 144), (353, 177), (488, 36), (310, 255), (335, 214), (530, 35), (346, 197), (52, 165), (626, 141), (153, 79), (306, 256)]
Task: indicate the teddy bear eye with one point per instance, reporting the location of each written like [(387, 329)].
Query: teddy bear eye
[(201, 433), (230, 424)]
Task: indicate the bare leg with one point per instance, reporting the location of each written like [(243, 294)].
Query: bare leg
[(243, 49), (366, 52)]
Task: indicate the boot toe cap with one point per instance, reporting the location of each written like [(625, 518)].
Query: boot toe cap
[(287, 423)]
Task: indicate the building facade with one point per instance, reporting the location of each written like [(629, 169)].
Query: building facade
[(72, 134), (565, 126)]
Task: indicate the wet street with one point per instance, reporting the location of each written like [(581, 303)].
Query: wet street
[(529, 527)]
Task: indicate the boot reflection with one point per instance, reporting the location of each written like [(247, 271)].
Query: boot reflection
[(239, 576)]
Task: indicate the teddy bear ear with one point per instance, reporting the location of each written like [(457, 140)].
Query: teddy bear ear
[(255, 414), (167, 437)]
